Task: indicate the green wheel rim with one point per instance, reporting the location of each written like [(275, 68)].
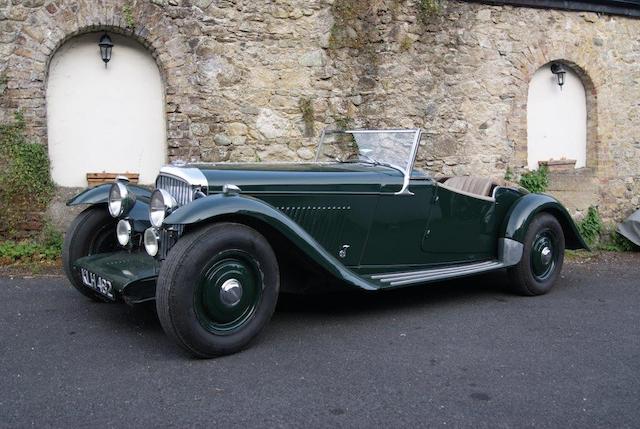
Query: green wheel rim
[(544, 255), (228, 292)]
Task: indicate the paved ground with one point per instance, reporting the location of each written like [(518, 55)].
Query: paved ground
[(458, 354)]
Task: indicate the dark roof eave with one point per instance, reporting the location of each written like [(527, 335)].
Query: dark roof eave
[(614, 7)]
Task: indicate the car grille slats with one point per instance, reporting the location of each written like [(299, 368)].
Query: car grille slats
[(182, 192), (179, 189)]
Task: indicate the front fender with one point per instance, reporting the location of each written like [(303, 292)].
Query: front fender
[(139, 213), (213, 206), (100, 194), (523, 211)]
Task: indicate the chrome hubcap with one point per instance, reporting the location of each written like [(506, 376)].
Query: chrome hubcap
[(546, 256), (231, 292)]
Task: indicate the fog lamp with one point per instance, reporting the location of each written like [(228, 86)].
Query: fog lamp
[(151, 241), (123, 232)]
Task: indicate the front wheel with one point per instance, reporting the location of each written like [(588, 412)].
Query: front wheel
[(217, 289), (92, 231), (542, 258)]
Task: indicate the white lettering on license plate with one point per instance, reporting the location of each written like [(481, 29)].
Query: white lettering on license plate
[(97, 283)]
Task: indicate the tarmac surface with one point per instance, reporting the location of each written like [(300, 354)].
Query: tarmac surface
[(465, 353)]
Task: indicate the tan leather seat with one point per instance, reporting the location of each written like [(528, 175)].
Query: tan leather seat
[(471, 184)]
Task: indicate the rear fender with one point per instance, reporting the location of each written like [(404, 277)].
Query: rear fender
[(522, 212), (215, 206)]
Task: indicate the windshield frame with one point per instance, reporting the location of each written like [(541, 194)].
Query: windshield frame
[(412, 155)]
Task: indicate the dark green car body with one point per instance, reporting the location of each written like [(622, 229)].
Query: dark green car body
[(337, 223)]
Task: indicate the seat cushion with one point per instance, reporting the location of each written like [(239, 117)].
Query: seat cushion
[(471, 184)]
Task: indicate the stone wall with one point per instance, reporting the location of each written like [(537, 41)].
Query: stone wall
[(258, 80)]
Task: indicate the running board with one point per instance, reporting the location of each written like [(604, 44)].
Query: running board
[(424, 276)]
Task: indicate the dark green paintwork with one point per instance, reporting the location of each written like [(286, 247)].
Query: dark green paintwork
[(212, 313), (245, 206), (527, 207), (461, 228), (355, 205), (100, 194), (139, 213), (327, 177), (123, 269), (397, 227), (320, 208)]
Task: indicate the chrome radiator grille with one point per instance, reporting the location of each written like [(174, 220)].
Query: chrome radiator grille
[(183, 194), (179, 189)]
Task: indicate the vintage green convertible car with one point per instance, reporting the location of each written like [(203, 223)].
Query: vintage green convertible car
[(214, 244)]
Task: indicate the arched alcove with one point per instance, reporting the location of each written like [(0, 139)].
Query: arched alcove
[(556, 118), (104, 119)]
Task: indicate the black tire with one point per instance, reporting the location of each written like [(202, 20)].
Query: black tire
[(533, 275), (92, 231), (190, 300)]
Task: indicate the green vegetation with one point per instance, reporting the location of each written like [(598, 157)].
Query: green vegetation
[(354, 21), (618, 243), (25, 182), (429, 8), (306, 108), (127, 14), (4, 80), (343, 122), (405, 44), (591, 226), (536, 181), (508, 175), (25, 190), (47, 247), (598, 237), (347, 30)]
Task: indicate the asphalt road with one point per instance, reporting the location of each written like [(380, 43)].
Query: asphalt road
[(457, 354)]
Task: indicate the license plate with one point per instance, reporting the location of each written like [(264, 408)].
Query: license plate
[(97, 283)]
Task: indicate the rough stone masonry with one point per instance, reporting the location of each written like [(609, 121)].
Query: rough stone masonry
[(256, 80)]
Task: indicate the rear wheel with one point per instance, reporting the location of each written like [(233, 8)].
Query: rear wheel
[(92, 231), (217, 289), (542, 259)]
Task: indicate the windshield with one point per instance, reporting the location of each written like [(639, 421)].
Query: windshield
[(393, 148)]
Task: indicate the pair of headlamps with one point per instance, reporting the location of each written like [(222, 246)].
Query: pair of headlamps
[(120, 203), (160, 206)]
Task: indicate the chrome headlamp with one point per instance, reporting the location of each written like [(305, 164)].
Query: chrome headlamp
[(161, 205), (120, 199)]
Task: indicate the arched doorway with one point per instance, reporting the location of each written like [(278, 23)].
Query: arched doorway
[(556, 119), (104, 119)]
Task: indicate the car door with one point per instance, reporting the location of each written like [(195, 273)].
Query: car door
[(461, 227), (397, 227)]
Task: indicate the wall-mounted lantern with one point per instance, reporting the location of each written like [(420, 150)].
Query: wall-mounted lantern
[(559, 71), (106, 45)]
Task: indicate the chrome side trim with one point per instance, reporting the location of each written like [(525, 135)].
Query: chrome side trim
[(424, 276), (193, 176), (510, 251)]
